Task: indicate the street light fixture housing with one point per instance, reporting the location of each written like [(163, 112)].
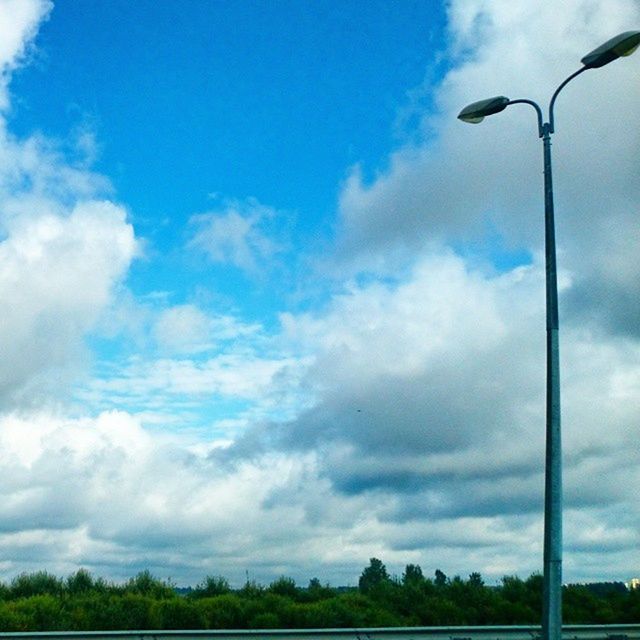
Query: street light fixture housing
[(477, 111), (623, 44)]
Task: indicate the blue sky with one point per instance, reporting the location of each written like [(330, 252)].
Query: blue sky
[(239, 99), (273, 308)]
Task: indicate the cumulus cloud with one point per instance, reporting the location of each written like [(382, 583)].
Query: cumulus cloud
[(430, 400), (57, 273), (96, 492), (63, 247), (461, 177), (429, 373), (442, 377)]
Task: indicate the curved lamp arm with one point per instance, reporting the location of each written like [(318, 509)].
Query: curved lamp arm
[(538, 112), (555, 95)]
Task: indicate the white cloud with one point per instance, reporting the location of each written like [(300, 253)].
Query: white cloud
[(107, 492), (57, 274), (236, 375), (183, 328), (64, 249), (19, 22), (430, 399), (188, 329), (237, 235)]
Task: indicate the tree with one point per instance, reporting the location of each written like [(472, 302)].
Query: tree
[(373, 575), (36, 584), (79, 582), (146, 584), (284, 586), (211, 586), (412, 575), (475, 580), (441, 578), (315, 591)]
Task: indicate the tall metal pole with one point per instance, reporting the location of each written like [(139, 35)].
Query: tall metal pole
[(552, 596), (552, 580)]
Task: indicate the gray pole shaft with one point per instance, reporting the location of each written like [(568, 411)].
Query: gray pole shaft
[(552, 596)]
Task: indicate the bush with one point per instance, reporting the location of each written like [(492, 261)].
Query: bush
[(146, 584), (43, 613), (211, 586), (127, 611), (10, 620), (284, 586), (35, 584), (265, 621), (223, 612), (79, 582), (178, 613)]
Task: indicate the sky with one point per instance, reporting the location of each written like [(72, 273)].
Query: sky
[(271, 309)]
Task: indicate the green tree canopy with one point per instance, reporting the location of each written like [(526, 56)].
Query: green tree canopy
[(373, 575)]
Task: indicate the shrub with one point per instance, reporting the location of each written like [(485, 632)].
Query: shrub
[(178, 613), (35, 584), (211, 586)]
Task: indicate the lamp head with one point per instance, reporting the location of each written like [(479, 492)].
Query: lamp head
[(477, 111), (623, 44)]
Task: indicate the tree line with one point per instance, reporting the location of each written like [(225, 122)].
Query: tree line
[(41, 601)]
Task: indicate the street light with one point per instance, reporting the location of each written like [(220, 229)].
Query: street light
[(621, 45)]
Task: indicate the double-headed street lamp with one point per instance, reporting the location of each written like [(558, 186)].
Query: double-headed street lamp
[(622, 45)]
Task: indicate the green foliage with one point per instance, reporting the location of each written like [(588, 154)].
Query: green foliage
[(42, 602), (43, 612), (441, 579), (265, 620), (10, 620), (285, 587), (345, 611), (178, 613), (211, 586), (35, 584), (80, 582), (146, 584), (579, 603), (114, 611), (316, 591), (631, 607), (223, 612), (135, 611), (252, 589), (475, 580), (412, 575), (373, 576)]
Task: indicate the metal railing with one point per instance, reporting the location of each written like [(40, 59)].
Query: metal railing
[(569, 632)]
